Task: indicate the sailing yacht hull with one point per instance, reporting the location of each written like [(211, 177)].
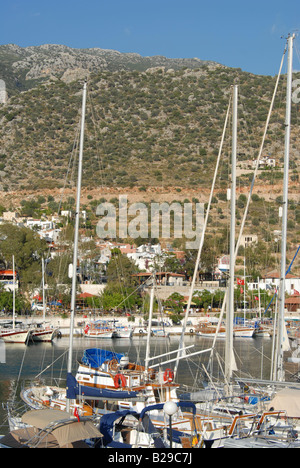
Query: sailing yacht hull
[(15, 336), (243, 332), (100, 334), (45, 336)]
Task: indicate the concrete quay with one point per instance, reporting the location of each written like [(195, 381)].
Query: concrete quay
[(138, 324)]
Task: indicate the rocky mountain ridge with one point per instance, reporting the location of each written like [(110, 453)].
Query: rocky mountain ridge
[(22, 67)]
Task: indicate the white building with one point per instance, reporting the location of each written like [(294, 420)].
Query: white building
[(146, 256), (248, 239), (41, 225), (266, 161), (271, 282), (50, 235)]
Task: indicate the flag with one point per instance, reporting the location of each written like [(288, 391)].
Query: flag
[(240, 282), (256, 298), (296, 293)]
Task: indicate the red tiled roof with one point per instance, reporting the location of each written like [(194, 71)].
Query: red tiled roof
[(85, 294)]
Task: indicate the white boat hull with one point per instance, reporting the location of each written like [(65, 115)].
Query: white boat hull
[(123, 333), (15, 336), (211, 335), (99, 334), (243, 332), (43, 335)]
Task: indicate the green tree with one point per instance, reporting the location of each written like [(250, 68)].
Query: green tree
[(28, 250), (120, 291)]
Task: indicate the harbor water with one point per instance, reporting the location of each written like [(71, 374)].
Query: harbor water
[(24, 363)]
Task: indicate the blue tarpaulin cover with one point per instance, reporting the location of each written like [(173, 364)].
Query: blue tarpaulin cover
[(95, 357)]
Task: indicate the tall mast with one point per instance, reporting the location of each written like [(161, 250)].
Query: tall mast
[(181, 341), (14, 294), (76, 235), (230, 308), (149, 325), (43, 286), (280, 372)]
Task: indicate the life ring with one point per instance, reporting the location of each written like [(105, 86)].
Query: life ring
[(120, 381), (141, 332), (191, 331), (168, 375)]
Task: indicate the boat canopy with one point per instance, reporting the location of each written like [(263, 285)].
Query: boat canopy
[(288, 400), (50, 428), (95, 357), (107, 427)]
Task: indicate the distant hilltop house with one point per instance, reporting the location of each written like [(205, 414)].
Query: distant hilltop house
[(41, 225), (266, 161), (248, 239), (10, 216)]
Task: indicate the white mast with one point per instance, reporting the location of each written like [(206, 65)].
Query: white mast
[(181, 342), (14, 294), (43, 285), (147, 358), (75, 254), (280, 371), (230, 308)]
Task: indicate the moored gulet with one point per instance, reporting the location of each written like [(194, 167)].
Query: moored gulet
[(107, 383), (105, 377), (15, 335), (243, 332), (44, 334), (100, 329)]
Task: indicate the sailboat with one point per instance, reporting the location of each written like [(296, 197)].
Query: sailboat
[(39, 396), (282, 342), (137, 379), (14, 334), (44, 333), (265, 390)]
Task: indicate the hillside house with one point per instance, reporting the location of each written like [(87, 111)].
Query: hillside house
[(265, 162), (248, 239), (10, 216), (40, 225), (163, 278), (272, 281)]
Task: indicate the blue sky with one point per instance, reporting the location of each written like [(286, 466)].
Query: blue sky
[(235, 33)]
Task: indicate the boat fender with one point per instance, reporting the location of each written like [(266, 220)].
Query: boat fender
[(120, 381), (168, 375)]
